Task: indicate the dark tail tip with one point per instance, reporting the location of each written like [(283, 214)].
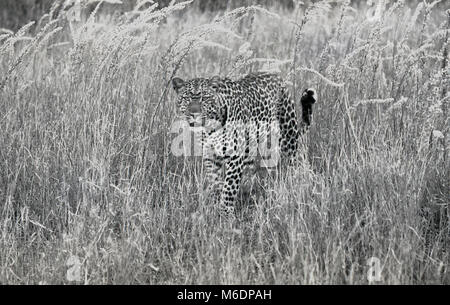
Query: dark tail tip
[(309, 97)]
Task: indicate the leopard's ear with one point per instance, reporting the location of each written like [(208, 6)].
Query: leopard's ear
[(177, 83), (215, 82)]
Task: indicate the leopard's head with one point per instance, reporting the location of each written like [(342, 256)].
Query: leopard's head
[(197, 99)]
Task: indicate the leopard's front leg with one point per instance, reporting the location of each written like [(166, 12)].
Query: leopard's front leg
[(232, 183), (213, 164)]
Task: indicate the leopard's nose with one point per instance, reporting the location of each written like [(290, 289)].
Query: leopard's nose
[(194, 108)]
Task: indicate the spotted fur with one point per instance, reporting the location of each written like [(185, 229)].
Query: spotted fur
[(238, 116)]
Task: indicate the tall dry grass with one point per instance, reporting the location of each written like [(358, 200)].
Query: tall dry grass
[(89, 187)]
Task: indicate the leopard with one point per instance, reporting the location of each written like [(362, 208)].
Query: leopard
[(238, 118)]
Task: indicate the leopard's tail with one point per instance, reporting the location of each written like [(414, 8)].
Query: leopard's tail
[(287, 118), (307, 100), (289, 129)]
